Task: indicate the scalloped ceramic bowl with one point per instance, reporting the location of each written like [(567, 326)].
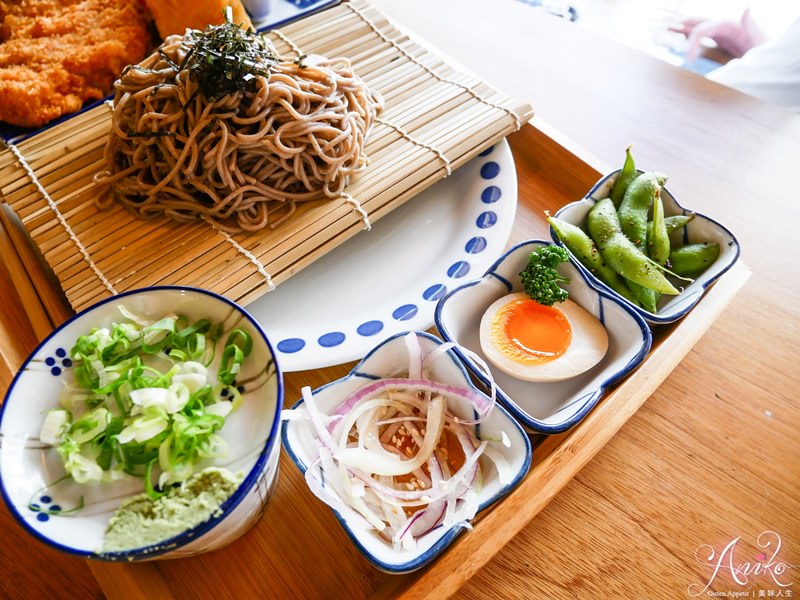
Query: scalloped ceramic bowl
[(28, 468), (384, 361), (700, 229), (550, 407)]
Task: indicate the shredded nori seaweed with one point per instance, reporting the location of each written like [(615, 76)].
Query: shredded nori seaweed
[(225, 59)]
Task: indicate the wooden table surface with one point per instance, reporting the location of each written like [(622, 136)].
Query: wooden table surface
[(712, 459)]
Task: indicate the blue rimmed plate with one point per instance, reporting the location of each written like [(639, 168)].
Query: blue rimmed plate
[(700, 229), (555, 406), (383, 361), (389, 279)]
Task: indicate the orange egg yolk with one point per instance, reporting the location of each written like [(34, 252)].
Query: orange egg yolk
[(530, 333)]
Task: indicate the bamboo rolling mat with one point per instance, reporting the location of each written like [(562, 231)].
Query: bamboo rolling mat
[(435, 119)]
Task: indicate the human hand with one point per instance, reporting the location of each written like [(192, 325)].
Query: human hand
[(733, 37)]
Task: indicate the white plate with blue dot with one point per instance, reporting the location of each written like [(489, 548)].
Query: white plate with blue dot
[(389, 279)]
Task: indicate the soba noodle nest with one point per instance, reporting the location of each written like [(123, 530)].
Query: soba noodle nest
[(240, 154)]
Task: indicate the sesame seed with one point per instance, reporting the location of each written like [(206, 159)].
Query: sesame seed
[(394, 440)]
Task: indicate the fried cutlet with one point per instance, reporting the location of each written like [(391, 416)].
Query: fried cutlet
[(57, 54)]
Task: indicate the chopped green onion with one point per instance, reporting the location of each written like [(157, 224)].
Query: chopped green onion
[(109, 445), (143, 398), (240, 339), (148, 482), (55, 425), (232, 358), (156, 336), (82, 468), (89, 426)]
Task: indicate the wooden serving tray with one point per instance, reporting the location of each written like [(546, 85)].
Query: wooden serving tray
[(298, 548)]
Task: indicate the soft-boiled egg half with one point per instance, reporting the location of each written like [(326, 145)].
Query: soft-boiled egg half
[(533, 342)]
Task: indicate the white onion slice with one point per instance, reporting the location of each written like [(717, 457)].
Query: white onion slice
[(362, 443)]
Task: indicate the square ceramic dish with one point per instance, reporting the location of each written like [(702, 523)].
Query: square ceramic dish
[(550, 407), (32, 476), (700, 229), (387, 360)]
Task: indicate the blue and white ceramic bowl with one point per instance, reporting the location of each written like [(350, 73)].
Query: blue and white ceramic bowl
[(28, 468), (384, 361), (700, 229), (550, 407)]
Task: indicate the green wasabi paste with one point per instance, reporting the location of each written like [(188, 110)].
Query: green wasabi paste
[(142, 521)]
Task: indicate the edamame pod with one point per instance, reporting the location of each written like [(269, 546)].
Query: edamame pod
[(693, 259), (645, 297), (620, 253), (673, 223), (639, 196), (584, 249), (658, 240), (624, 178)]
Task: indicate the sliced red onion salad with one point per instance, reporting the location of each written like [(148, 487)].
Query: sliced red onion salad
[(385, 452)]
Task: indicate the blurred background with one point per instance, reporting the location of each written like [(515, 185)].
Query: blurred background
[(644, 24)]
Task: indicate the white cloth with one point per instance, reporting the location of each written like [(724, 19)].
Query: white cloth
[(770, 71)]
